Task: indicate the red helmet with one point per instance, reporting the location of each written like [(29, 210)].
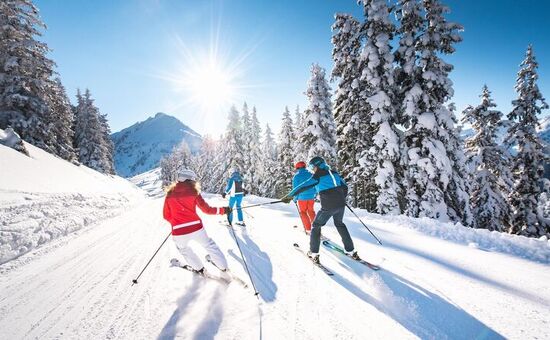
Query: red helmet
[(300, 165)]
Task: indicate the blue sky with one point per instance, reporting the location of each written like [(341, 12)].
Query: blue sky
[(131, 53)]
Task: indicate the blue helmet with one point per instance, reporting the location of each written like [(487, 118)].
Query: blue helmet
[(317, 162)]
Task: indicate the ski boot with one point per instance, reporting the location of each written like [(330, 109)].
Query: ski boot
[(353, 254), (313, 257)]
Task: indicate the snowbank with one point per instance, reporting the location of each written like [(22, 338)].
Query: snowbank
[(43, 197), (525, 247), (12, 140)]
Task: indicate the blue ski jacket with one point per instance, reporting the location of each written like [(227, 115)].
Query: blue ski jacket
[(331, 187), (301, 176), (234, 185)]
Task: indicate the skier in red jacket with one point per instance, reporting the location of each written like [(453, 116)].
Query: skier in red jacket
[(180, 207)]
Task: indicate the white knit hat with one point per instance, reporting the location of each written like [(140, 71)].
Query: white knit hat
[(185, 174)]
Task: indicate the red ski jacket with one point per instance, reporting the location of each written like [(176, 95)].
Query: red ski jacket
[(180, 209)]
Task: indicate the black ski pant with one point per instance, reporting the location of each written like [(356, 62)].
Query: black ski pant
[(321, 219)]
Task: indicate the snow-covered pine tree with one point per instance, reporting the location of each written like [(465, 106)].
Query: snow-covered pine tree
[(222, 166), (245, 137), (299, 153), (233, 144), (297, 118), (268, 165), (62, 127), (255, 155), (285, 156), (407, 72), (90, 140), (349, 113), (25, 74), (527, 165), (108, 159), (489, 161), (429, 169), (205, 166), (457, 195), (170, 165), (318, 134), (381, 161), (250, 149)]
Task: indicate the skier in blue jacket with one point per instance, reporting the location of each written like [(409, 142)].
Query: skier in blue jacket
[(236, 192), (332, 191), (304, 200)]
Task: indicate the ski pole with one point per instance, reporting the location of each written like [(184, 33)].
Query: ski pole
[(297, 208), (260, 204), (364, 225), (242, 257), (135, 281)]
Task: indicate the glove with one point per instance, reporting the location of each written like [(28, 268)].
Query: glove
[(223, 194), (245, 192), (227, 210), (286, 199)]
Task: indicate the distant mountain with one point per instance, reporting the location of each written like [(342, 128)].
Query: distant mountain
[(544, 129), (140, 147)]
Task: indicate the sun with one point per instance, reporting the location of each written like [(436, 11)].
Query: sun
[(210, 86), (208, 78)]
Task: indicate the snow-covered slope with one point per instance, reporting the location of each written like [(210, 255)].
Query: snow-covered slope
[(43, 197), (449, 284), (544, 129), (140, 147), (150, 182)]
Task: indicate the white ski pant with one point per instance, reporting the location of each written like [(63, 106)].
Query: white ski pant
[(200, 237)]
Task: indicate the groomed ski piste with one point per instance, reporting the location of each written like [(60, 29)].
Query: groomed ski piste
[(437, 280)]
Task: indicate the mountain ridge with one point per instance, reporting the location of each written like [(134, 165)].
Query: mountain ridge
[(139, 147)]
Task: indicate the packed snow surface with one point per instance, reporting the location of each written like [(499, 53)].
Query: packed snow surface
[(43, 197), (446, 284)]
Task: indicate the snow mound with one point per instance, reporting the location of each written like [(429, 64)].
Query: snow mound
[(11, 139), (525, 247), (43, 197)]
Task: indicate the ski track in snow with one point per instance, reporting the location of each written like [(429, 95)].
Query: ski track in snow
[(79, 286)]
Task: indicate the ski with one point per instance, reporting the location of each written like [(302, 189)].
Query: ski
[(206, 275), (323, 268), (331, 245), (233, 276)]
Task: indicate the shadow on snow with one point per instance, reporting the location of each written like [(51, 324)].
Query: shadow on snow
[(206, 328), (259, 264), (422, 312)]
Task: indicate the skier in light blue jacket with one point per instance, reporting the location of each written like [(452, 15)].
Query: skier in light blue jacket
[(236, 192)]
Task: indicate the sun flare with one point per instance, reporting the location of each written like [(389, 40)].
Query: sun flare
[(210, 86)]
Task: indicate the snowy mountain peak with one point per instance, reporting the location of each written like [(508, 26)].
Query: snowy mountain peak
[(140, 147)]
